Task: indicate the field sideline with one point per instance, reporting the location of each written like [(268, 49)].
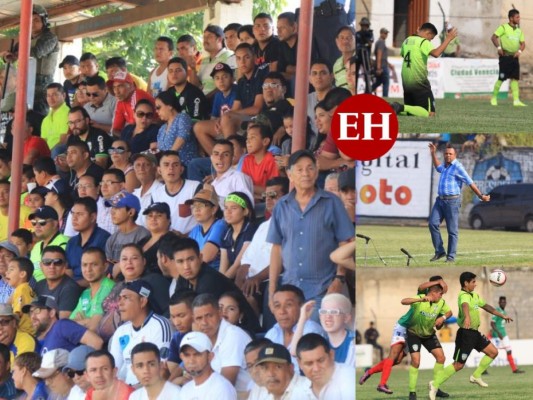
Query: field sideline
[(471, 116), (503, 384), (476, 248)]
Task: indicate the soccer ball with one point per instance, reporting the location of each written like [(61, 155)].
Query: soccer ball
[(498, 277)]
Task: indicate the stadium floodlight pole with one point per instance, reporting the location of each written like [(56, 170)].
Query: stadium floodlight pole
[(19, 124)]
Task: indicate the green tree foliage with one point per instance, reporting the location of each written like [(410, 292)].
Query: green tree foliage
[(272, 7)]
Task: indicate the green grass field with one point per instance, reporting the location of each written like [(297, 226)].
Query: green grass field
[(503, 385), (476, 248), (471, 116)]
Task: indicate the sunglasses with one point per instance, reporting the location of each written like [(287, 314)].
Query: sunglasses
[(57, 262), (71, 373), (93, 94), (330, 311), (141, 114), (116, 150), (40, 222), (270, 195)]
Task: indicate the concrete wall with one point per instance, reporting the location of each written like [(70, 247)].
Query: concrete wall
[(380, 291)]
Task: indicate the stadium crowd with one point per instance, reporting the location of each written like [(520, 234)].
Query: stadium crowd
[(161, 251)]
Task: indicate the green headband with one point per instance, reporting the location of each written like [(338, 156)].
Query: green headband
[(236, 199)]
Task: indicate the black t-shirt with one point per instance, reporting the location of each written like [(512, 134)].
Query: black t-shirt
[(270, 52), (275, 113), (247, 89), (93, 170), (97, 140), (287, 56), (194, 101)]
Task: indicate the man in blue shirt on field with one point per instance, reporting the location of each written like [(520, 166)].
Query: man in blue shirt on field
[(448, 201)]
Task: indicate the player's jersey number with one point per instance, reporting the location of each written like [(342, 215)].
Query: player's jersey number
[(407, 59)]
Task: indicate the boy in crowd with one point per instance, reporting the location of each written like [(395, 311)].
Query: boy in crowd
[(18, 274)]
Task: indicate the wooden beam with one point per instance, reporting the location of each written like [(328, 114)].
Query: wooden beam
[(58, 11), (126, 18)]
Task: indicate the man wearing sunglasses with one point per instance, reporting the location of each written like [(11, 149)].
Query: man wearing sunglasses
[(45, 222), (75, 369), (57, 284), (99, 141), (101, 105)]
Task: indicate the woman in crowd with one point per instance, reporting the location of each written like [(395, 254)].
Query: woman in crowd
[(142, 135), (158, 223), (120, 153)]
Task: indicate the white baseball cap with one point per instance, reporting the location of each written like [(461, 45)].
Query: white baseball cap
[(197, 340), (52, 361)]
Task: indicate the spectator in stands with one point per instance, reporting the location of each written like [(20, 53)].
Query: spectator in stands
[(176, 133), (158, 224), (165, 259), (11, 336), (78, 160), (259, 163), (287, 29), (89, 67), (190, 98), (45, 172), (71, 71), (231, 306), (145, 168), (267, 46), (331, 184), (322, 79), (102, 104), (324, 213), (89, 311), (210, 229), (252, 276), (371, 337), (231, 35), (345, 41), (5, 164), (24, 366), (195, 351), (246, 34), (57, 285), (181, 315), (215, 47), (146, 365), (277, 370), (80, 97), (45, 222), (18, 275), (142, 135), (97, 140), (240, 218), (58, 382), (228, 341), (350, 76), (127, 97), (120, 153), (8, 252), (158, 78), (113, 182), (125, 208), (118, 64), (175, 190), (59, 198), (23, 239), (88, 235), (188, 50), (53, 333), (75, 369), (251, 352), (4, 210), (347, 191), (140, 324), (54, 128), (223, 101), (102, 375), (329, 380), (34, 146)]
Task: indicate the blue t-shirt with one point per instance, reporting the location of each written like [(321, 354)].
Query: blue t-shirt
[(41, 392), (233, 247), (221, 104), (74, 249), (8, 390), (181, 128), (214, 235), (174, 348), (141, 141), (64, 334), (342, 351)]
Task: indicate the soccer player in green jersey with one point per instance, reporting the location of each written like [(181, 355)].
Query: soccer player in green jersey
[(468, 337), (499, 334), (430, 311), (510, 42), (417, 95)]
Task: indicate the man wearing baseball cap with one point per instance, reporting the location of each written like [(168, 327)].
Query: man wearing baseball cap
[(195, 352), (72, 74), (127, 96), (11, 336), (125, 207), (277, 370), (217, 51), (383, 67), (45, 222), (140, 324)]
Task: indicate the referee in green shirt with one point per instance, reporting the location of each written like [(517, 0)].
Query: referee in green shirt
[(509, 39), (468, 337)]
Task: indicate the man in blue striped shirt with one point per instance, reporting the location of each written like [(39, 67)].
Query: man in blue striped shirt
[(448, 201)]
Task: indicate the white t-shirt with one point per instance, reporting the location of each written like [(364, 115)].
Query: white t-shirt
[(215, 387), (145, 200), (233, 181), (158, 83), (169, 392), (183, 225), (156, 329), (76, 393), (341, 386), (257, 254), (297, 390), (229, 352)]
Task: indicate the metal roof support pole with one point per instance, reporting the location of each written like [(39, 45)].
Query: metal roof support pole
[(19, 124)]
